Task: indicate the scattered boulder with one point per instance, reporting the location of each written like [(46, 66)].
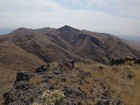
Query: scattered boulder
[(116, 102), (137, 61), (116, 61), (45, 79), (129, 58), (23, 76), (130, 75), (70, 63), (42, 68), (103, 102), (57, 72)]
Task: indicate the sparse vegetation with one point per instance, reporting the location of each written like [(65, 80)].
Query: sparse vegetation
[(121, 79), (93, 82), (35, 80), (52, 98)]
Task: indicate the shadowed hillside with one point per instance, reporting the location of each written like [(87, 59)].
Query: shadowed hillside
[(64, 43)]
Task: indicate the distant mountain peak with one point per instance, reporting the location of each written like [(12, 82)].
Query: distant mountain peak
[(45, 29), (22, 31), (67, 27)]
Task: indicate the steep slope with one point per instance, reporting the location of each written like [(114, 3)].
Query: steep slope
[(64, 43), (16, 58)]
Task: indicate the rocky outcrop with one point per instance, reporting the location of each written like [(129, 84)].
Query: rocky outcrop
[(23, 91), (128, 59), (42, 68), (137, 61), (29, 87), (70, 63)]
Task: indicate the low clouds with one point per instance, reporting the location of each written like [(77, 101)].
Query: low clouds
[(120, 17)]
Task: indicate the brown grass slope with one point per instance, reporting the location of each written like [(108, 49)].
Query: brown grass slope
[(7, 78), (51, 44), (122, 80), (17, 58)]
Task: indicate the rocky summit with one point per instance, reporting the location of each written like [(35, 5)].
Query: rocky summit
[(29, 86), (78, 85)]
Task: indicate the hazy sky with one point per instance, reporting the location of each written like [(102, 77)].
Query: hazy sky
[(120, 17)]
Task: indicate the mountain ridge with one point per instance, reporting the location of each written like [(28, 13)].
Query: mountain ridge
[(51, 44)]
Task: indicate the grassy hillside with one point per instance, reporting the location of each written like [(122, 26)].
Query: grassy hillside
[(17, 58), (7, 78), (123, 80)]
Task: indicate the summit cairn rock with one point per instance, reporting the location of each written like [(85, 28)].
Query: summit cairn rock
[(70, 63)]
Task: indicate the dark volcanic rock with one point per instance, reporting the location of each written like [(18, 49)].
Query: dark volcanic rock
[(42, 68), (29, 87), (23, 76), (24, 92), (117, 61), (137, 61), (70, 63), (22, 97), (103, 102)]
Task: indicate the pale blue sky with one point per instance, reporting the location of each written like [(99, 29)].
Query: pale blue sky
[(119, 17)]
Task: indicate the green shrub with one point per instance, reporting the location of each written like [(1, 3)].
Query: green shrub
[(52, 98)]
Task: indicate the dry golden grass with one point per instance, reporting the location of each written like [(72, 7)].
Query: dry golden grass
[(122, 79), (7, 78), (35, 80), (17, 58), (53, 81)]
